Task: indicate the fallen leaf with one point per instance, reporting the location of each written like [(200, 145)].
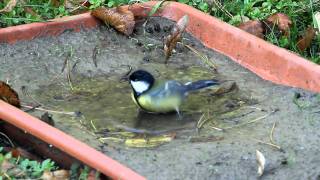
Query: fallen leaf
[(282, 21), (226, 88), (10, 5), (175, 36), (306, 40), (56, 175), (254, 27), (261, 162), (149, 142), (18, 151), (9, 95), (120, 18)]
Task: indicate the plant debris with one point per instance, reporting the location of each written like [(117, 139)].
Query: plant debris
[(9, 7), (120, 18), (254, 27), (9, 95), (282, 21), (205, 139), (261, 162), (150, 141), (306, 40), (56, 175), (175, 35)]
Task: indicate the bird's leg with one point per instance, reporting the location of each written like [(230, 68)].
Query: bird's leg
[(178, 113)]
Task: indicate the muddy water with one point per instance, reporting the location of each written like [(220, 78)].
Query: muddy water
[(105, 102), (60, 74)]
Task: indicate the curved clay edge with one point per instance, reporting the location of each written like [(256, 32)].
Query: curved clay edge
[(268, 61), (66, 143)]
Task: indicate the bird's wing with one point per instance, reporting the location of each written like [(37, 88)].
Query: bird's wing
[(168, 88)]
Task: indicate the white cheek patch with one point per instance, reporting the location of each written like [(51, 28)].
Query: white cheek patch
[(139, 86)]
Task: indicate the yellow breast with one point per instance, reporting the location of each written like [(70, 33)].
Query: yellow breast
[(159, 105)]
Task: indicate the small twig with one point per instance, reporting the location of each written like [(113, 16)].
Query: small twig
[(64, 63), (7, 176), (270, 144), (271, 133), (254, 120), (9, 140), (93, 126), (218, 4), (25, 92), (203, 57), (253, 107), (51, 111), (74, 66), (216, 128), (81, 5), (68, 68), (200, 120), (94, 55)]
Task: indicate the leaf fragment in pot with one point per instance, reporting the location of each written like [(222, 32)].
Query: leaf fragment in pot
[(120, 18), (282, 21), (306, 40), (175, 35), (9, 95), (254, 27)]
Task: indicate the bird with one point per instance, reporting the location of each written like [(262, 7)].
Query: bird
[(162, 96)]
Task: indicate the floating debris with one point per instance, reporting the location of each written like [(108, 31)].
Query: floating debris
[(261, 162)]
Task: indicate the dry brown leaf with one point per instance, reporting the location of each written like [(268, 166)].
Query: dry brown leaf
[(282, 21), (306, 40), (56, 175), (9, 95), (120, 18), (10, 5), (254, 27), (175, 35), (18, 151)]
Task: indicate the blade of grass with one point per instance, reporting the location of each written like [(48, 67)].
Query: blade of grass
[(155, 8)]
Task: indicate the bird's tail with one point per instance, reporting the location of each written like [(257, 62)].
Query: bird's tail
[(192, 86)]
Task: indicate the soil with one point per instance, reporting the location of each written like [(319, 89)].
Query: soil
[(78, 74)]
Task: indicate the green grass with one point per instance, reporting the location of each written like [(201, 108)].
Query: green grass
[(301, 13), (43, 10), (24, 167)]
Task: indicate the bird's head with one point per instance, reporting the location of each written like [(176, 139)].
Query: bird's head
[(141, 81)]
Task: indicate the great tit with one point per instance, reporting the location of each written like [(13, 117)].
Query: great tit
[(162, 96)]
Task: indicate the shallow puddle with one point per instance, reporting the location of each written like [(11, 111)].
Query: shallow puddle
[(103, 102)]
